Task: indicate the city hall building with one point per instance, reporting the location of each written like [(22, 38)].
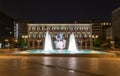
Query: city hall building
[(60, 32)]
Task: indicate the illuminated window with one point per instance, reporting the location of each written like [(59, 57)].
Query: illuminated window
[(104, 23), (40, 34), (42, 28)]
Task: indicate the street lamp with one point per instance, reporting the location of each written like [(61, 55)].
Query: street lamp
[(6, 40), (7, 44), (24, 44), (94, 38), (112, 45), (16, 40), (25, 37)]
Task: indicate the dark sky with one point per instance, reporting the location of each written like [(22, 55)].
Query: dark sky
[(58, 10)]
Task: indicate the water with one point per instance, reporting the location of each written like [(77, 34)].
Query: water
[(48, 43), (72, 44), (61, 52), (48, 48)]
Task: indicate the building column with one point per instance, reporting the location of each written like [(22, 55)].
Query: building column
[(81, 46), (91, 43), (33, 44), (85, 44)]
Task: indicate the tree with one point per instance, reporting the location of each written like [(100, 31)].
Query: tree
[(22, 42), (97, 42)]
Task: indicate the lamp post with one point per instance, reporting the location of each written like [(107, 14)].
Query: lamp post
[(25, 37), (94, 40), (7, 44), (16, 43), (6, 40), (24, 45), (112, 45)]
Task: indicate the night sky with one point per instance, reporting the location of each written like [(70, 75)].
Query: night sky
[(58, 10)]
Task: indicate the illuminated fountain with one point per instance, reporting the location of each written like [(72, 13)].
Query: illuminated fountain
[(72, 44), (48, 43), (72, 47)]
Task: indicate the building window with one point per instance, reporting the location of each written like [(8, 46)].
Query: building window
[(88, 43), (37, 36), (31, 44), (35, 28), (42, 28), (30, 28), (31, 35), (40, 43), (83, 43), (36, 43)]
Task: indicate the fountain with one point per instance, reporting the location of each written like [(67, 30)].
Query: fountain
[(48, 43), (72, 44), (72, 48)]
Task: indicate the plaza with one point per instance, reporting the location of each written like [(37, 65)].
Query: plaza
[(57, 66), (40, 36), (38, 65), (59, 38)]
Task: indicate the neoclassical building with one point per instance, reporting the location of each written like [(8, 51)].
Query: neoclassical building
[(82, 33)]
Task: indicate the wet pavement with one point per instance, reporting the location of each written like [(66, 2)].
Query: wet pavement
[(58, 66)]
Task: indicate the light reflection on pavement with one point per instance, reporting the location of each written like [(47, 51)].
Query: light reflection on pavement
[(58, 66)]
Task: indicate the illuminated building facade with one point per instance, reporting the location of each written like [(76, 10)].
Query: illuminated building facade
[(82, 32)]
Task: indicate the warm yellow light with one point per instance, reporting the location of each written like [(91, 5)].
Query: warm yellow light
[(6, 40), (92, 36), (16, 40), (96, 36)]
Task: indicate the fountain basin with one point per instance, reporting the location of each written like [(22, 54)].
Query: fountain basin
[(62, 52), (65, 53), (72, 50)]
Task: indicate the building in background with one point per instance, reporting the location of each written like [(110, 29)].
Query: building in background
[(92, 32), (6, 25), (6, 29), (105, 27), (116, 27), (82, 32), (99, 28), (116, 22), (20, 28), (109, 33)]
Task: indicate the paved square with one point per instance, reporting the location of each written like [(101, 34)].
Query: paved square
[(58, 66)]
